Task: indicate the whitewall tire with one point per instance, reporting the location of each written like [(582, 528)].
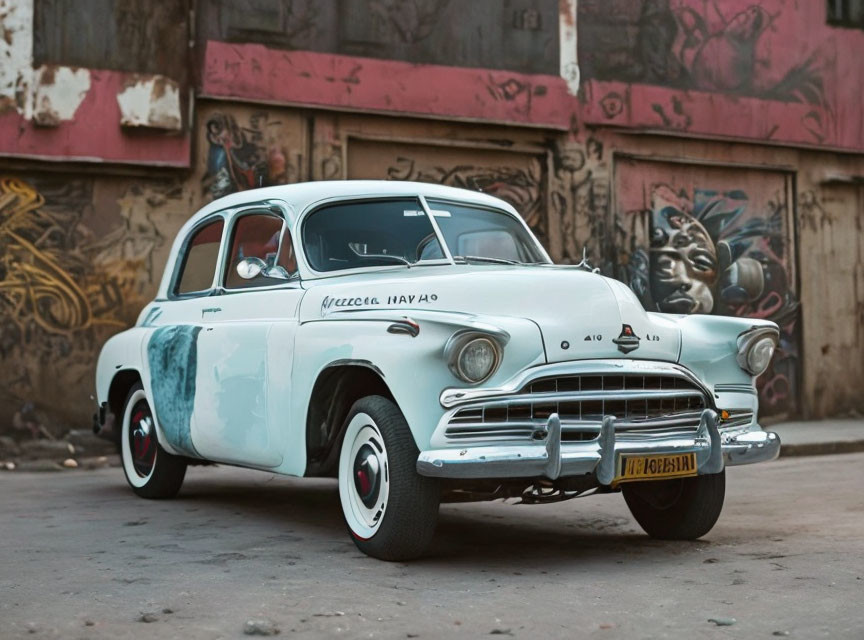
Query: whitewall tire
[(391, 511), (151, 471)]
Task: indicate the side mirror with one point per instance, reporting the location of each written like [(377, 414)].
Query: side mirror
[(249, 268)]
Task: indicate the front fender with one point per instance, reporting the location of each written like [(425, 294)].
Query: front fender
[(413, 367), (709, 347)]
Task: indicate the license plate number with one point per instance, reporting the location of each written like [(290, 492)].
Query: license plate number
[(679, 465)]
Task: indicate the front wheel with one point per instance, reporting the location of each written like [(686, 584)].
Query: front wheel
[(151, 471), (390, 509), (679, 509)]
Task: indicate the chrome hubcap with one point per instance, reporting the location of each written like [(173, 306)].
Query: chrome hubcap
[(142, 440), (367, 475)]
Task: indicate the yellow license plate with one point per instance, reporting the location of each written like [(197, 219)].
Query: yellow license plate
[(635, 468)]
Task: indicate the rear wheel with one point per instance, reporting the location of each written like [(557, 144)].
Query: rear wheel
[(151, 471), (679, 509), (391, 510)]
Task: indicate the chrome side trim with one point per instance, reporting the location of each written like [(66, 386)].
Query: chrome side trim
[(735, 388)]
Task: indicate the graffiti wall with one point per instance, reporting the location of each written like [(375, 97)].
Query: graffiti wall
[(766, 69), (714, 240), (78, 259), (517, 177), (243, 148)]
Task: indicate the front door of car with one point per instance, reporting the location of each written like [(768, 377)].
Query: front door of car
[(245, 349)]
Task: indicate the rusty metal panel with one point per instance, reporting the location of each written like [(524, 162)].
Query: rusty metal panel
[(517, 177), (143, 36), (699, 239), (520, 35), (831, 221)]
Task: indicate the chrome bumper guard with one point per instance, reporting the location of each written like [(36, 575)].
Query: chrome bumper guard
[(552, 458)]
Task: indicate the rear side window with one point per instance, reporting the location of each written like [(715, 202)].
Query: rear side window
[(199, 261), (259, 235)]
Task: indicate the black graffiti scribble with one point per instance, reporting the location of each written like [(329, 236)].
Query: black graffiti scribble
[(521, 187), (677, 119), (612, 104), (677, 48), (410, 21)]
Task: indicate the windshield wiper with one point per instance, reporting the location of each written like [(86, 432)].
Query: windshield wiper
[(467, 259)]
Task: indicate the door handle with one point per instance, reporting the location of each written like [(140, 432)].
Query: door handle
[(210, 310)]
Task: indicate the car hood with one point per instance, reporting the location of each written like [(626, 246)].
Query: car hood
[(580, 314)]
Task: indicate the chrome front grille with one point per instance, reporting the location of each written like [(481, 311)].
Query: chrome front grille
[(642, 404)]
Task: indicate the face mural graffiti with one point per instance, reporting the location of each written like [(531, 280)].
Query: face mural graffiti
[(693, 270), (725, 251)]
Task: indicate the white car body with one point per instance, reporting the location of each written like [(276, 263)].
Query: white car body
[(232, 374)]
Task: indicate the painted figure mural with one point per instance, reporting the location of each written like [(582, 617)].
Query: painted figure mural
[(242, 157)]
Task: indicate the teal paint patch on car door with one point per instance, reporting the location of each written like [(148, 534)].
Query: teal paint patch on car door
[(172, 353)]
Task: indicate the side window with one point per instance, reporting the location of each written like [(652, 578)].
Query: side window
[(258, 235), (199, 262)]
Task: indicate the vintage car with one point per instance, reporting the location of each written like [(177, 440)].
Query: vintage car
[(416, 342)]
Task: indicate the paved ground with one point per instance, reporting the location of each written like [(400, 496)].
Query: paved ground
[(820, 437), (81, 557)]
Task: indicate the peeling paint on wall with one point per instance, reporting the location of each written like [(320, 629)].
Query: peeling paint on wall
[(172, 353), (150, 101), (57, 94), (16, 53)]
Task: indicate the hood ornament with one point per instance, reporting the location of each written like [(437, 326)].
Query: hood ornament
[(583, 264), (628, 340)]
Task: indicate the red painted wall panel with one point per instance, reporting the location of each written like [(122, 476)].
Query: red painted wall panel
[(94, 133), (255, 72), (766, 70)]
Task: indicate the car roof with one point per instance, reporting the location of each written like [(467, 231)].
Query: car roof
[(302, 194)]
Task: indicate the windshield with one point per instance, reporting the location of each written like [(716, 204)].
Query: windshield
[(372, 233), (484, 235), (355, 234)]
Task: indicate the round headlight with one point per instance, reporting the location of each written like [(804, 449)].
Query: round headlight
[(477, 360), (759, 355)]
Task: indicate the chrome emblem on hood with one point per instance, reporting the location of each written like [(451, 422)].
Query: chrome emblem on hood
[(628, 340)]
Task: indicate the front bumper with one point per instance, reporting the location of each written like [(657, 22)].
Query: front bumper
[(550, 458)]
